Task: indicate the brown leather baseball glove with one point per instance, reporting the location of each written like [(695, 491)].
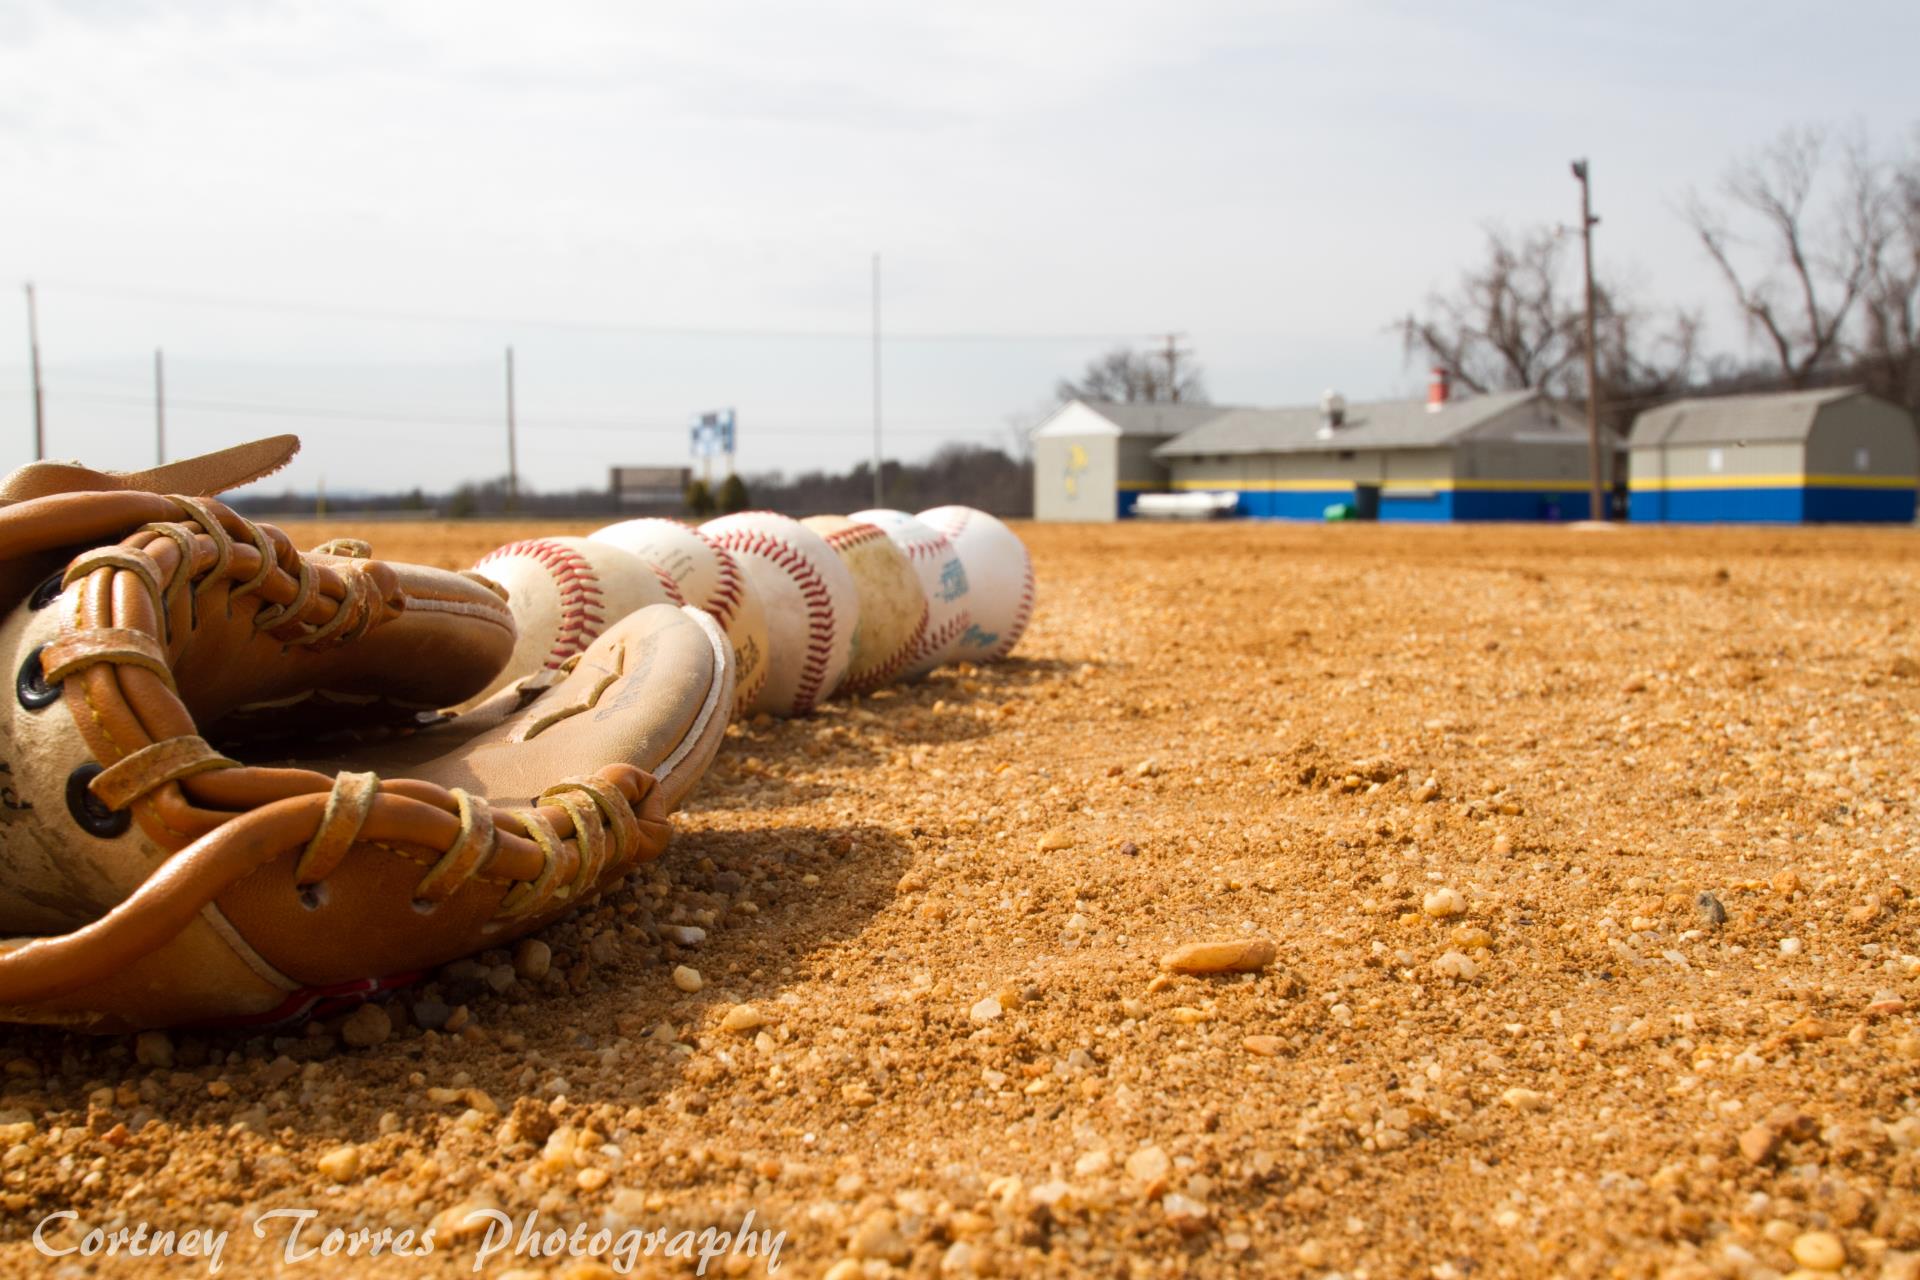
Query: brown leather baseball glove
[(226, 791)]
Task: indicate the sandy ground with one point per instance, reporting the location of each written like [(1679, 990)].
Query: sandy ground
[(1472, 783)]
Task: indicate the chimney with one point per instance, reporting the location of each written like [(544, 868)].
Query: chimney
[(1333, 410), (1438, 389)]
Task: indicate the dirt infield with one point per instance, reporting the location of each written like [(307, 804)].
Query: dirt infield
[(1588, 858)]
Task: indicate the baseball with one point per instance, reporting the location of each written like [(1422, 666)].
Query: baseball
[(943, 581), (811, 602), (563, 593), (893, 609), (1000, 573), (707, 578)]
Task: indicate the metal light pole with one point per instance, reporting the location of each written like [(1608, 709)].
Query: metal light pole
[(39, 399), (513, 455), (876, 382), (159, 408), (1596, 494)]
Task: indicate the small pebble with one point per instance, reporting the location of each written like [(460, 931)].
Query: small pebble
[(743, 1017), (1456, 964), (532, 959), (1819, 1251), (1711, 908), (1058, 838), (1248, 956), (430, 1015), (683, 935), (687, 978), (340, 1164), (1264, 1046), (986, 1010), (1129, 849), (1790, 946), (1148, 1166), (366, 1026), (1885, 1003), (1185, 1213), (1521, 1099), (153, 1049), (1443, 902)]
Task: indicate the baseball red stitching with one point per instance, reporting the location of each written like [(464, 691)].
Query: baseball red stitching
[(726, 597), (578, 588), (1020, 615), (935, 641), (667, 583), (813, 590), (891, 667), (857, 534)]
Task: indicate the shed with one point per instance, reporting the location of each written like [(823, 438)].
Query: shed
[(1093, 458), (1510, 456), (1835, 454)]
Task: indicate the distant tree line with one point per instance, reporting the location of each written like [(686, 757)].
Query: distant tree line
[(971, 475)]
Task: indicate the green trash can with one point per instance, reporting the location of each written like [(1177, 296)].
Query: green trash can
[(1339, 511)]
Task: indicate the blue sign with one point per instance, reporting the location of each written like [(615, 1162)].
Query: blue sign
[(712, 433)]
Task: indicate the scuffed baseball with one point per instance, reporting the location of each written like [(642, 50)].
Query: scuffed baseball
[(563, 593), (707, 578), (1000, 572), (943, 581), (893, 609), (811, 602)]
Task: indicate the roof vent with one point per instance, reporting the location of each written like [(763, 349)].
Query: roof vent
[(1333, 409), (1439, 389)]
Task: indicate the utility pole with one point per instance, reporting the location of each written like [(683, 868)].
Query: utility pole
[(877, 502), (513, 456), (159, 408), (1596, 493), (39, 398), (1172, 353)]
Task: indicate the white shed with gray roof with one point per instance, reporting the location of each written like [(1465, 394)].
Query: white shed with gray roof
[(1093, 458), (1834, 454)]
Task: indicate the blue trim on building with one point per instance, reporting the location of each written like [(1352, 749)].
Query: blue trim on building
[(1833, 505), (1785, 504), (1523, 504)]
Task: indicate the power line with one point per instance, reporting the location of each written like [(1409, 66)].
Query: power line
[(378, 417), (233, 302)]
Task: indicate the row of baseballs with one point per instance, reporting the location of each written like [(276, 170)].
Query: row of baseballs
[(812, 607)]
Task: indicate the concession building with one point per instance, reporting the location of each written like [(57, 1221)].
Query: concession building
[(1509, 456), (1837, 454)]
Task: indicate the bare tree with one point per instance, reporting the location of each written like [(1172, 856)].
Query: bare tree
[(1129, 375), (1507, 326), (1644, 356), (1889, 350), (1795, 252)]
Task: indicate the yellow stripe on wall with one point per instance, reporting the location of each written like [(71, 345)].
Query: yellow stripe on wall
[(1655, 484), (1335, 485)]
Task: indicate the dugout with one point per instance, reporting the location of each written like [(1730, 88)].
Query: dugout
[(1838, 454)]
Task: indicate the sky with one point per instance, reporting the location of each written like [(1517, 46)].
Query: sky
[(334, 216)]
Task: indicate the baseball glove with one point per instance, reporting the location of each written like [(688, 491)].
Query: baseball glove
[(227, 790)]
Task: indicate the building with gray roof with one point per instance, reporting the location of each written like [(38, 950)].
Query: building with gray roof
[(1509, 456), (1093, 458), (1834, 454)]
